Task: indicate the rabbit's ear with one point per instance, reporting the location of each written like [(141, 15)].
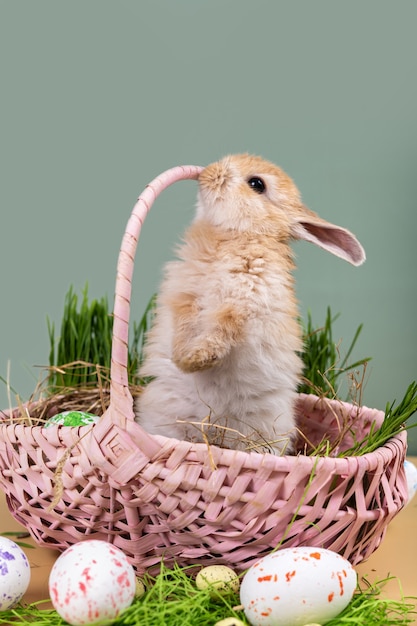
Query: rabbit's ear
[(335, 239)]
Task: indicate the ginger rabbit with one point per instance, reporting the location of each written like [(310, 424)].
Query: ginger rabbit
[(224, 349)]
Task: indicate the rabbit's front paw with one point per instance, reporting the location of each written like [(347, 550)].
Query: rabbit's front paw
[(200, 358)]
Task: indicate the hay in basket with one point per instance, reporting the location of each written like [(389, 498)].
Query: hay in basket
[(160, 499)]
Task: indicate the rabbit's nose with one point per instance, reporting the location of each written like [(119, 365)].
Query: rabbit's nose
[(215, 178)]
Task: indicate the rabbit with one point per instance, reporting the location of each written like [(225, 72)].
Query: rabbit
[(224, 349)]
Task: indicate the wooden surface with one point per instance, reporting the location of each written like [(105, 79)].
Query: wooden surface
[(397, 556)]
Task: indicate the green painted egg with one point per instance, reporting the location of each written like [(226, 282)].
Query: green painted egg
[(71, 418)]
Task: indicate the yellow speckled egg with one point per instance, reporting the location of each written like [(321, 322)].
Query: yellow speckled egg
[(139, 588), (220, 578), (230, 621)]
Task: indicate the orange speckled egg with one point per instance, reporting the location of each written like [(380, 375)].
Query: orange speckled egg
[(294, 586)]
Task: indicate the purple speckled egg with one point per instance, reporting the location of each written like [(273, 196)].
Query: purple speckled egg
[(14, 573), (92, 582)]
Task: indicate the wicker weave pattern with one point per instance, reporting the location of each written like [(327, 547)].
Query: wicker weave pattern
[(186, 505), (158, 498)]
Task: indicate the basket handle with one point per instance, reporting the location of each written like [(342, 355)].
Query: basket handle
[(112, 443), (119, 391)]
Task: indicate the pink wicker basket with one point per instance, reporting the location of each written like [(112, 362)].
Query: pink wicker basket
[(162, 499)]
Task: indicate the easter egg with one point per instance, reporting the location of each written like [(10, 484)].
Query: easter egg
[(220, 578), (139, 588), (92, 582), (296, 586), (411, 477), (71, 418), (14, 573), (230, 621)]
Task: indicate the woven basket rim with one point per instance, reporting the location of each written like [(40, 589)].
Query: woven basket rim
[(247, 459)]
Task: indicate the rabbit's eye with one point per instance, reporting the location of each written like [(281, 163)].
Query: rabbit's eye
[(257, 184)]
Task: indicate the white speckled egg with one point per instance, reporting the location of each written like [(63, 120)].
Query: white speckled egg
[(294, 586), (92, 582), (14, 573), (220, 577), (411, 476)]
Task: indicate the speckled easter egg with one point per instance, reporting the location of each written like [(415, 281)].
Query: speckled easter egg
[(222, 579), (140, 589), (411, 476), (296, 586), (14, 573), (230, 621), (71, 418), (92, 582)]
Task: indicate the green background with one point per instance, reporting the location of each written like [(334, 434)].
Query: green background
[(99, 97)]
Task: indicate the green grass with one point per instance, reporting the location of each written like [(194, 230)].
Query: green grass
[(395, 421), (82, 351), (325, 370), (172, 599)]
